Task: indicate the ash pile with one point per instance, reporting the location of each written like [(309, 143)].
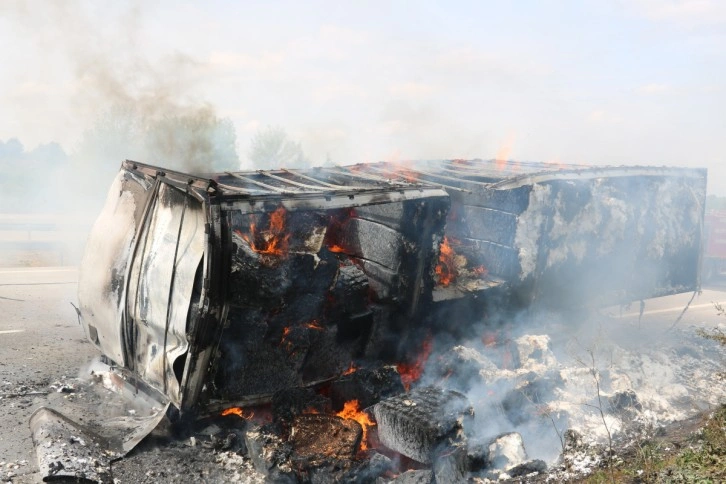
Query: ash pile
[(353, 319)]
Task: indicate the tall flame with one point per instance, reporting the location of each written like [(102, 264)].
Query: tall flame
[(446, 268), (504, 151), (411, 372), (351, 411), (273, 240)]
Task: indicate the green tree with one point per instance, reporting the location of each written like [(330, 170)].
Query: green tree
[(196, 141), (272, 148)]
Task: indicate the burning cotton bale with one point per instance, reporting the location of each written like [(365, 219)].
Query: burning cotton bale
[(415, 424), (367, 386), (319, 439), (324, 310), (291, 402)]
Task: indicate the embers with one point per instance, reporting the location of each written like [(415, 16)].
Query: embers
[(314, 432), (310, 436), (334, 236), (412, 369)]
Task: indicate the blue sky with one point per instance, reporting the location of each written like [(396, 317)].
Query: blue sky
[(603, 82)]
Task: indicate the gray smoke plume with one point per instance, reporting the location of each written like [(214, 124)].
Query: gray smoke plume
[(130, 103), (136, 105)]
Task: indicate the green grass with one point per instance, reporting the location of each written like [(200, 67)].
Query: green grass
[(706, 461), (703, 461)]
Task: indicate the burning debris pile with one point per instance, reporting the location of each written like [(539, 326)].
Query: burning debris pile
[(326, 308)]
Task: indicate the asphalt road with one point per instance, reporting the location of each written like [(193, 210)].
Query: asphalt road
[(42, 347)]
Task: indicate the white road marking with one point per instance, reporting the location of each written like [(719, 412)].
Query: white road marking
[(671, 310), (28, 276), (8, 331), (38, 269)]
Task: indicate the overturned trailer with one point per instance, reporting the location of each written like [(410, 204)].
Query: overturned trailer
[(223, 289)]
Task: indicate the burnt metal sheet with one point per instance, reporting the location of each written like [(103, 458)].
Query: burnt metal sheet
[(160, 287), (65, 449), (102, 273), (127, 410)]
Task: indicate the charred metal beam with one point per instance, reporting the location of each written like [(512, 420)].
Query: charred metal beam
[(260, 184)]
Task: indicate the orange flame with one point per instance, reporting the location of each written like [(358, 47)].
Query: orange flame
[(351, 369), (403, 170), (313, 325), (446, 268), (411, 372), (272, 241), (284, 341), (351, 411), (336, 248), (237, 411), (504, 151), (489, 339), (480, 271)]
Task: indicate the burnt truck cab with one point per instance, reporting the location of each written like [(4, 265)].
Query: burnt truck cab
[(223, 289)]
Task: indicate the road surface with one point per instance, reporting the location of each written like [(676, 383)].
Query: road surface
[(41, 344)]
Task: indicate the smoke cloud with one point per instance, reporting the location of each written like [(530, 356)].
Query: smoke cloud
[(125, 104)]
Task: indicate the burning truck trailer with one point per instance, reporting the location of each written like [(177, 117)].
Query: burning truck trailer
[(314, 291), (565, 235)]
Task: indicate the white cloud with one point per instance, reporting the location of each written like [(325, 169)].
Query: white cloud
[(601, 116), (686, 13), (412, 90), (654, 88), (234, 61)]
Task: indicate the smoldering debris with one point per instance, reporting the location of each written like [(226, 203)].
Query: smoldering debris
[(496, 437), (597, 377)]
